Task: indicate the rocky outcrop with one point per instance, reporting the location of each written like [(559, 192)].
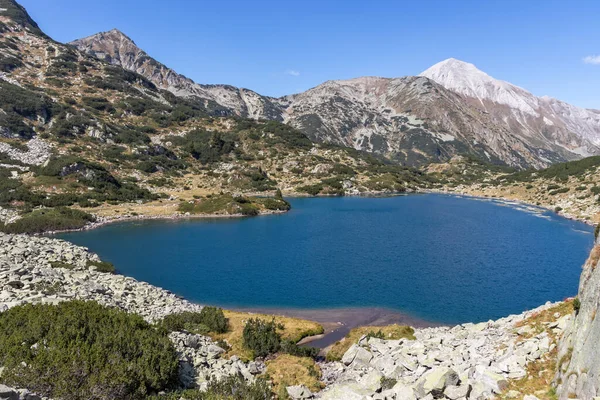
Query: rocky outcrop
[(38, 152), (200, 361), (578, 372), (469, 361)]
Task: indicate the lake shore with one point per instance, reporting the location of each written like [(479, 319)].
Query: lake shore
[(507, 201), (173, 216), (337, 322)]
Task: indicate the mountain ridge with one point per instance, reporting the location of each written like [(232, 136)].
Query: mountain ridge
[(366, 113)]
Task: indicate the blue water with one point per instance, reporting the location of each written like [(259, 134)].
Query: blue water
[(439, 258)]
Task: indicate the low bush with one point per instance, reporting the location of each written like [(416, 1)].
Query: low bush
[(313, 190), (102, 266), (44, 220), (229, 388), (82, 350), (262, 337), (210, 319)]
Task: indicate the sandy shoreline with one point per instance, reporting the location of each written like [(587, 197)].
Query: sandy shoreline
[(337, 322)]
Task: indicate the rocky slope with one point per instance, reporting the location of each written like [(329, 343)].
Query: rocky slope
[(118, 49), (547, 119), (578, 374), (412, 120), (469, 361)]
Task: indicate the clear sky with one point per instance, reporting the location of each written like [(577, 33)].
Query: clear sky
[(280, 47)]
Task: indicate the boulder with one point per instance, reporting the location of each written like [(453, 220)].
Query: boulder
[(457, 392), (435, 381), (299, 392), (404, 392), (7, 393)]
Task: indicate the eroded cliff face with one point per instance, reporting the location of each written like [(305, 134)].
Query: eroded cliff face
[(578, 374)]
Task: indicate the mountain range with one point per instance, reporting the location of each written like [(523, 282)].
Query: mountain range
[(451, 108)]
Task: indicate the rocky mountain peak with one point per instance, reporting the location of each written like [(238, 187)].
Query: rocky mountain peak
[(11, 11), (465, 78)]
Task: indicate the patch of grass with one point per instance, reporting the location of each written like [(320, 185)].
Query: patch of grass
[(390, 332), (287, 370), (294, 329)]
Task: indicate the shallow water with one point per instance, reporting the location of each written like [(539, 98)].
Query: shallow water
[(439, 258)]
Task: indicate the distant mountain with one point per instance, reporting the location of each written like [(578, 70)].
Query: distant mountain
[(117, 48), (544, 118), (452, 108)]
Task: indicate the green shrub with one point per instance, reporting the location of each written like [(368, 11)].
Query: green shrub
[(313, 190), (214, 318), (44, 220), (261, 337), (82, 350), (596, 231), (249, 209), (232, 387), (210, 319), (102, 266), (289, 347), (576, 305), (276, 204), (60, 264)]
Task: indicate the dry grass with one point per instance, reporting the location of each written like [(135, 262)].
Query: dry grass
[(538, 320), (390, 332), (294, 329), (287, 370), (538, 381)]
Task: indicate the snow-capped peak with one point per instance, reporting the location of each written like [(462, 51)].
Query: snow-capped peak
[(466, 79)]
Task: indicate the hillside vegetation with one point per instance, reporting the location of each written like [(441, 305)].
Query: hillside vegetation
[(78, 132)]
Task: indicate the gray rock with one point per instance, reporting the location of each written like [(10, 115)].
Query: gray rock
[(435, 381), (299, 392), (7, 393), (457, 392)]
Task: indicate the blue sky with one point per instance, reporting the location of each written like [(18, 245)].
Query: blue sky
[(283, 47)]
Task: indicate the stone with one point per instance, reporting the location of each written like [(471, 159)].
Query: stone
[(371, 381), (362, 357), (349, 355), (457, 392), (299, 392), (435, 381), (7, 393), (404, 392), (346, 391), (496, 383)]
